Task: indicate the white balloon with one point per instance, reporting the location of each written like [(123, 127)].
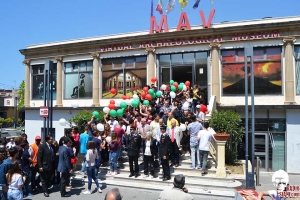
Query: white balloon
[(62, 122), (117, 103), (184, 88), (108, 139), (128, 102), (135, 96), (182, 127), (163, 87), (106, 110), (100, 127), (172, 95), (75, 104), (185, 106)]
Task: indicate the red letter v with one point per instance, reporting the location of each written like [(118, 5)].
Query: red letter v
[(211, 15)]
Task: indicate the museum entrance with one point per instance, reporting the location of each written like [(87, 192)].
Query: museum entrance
[(182, 73)]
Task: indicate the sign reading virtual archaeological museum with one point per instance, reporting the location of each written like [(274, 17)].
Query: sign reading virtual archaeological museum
[(184, 25)]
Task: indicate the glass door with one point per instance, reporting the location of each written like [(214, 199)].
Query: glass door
[(165, 75), (262, 149), (182, 73)]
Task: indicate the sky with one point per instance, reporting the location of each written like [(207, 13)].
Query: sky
[(25, 22)]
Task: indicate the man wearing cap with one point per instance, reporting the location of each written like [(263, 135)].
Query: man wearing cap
[(33, 151), (134, 144), (164, 152), (177, 192)]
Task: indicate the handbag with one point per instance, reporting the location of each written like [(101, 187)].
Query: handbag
[(73, 160), (156, 164)]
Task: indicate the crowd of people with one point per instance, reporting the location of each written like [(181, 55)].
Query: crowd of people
[(158, 133)]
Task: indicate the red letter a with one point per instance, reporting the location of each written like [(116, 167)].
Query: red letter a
[(183, 22), (211, 15), (158, 29)]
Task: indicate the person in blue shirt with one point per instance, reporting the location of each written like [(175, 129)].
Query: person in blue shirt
[(13, 154), (83, 140), (26, 161)]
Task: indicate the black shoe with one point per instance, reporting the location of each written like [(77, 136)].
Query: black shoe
[(130, 175), (166, 179), (65, 195), (136, 175), (38, 186), (46, 194)]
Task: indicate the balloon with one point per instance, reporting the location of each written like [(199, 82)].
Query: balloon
[(113, 113), (181, 83), (153, 79), (187, 83), (171, 82), (184, 88), (180, 87), (112, 102), (135, 96), (143, 94), (75, 104), (124, 97), (173, 88), (167, 88), (127, 97), (98, 119), (106, 109), (108, 139), (120, 113), (158, 94), (172, 95), (148, 97), (128, 102), (135, 103), (62, 122), (176, 84), (123, 104), (118, 103), (96, 114), (182, 127), (151, 91), (163, 87), (111, 106), (146, 102), (113, 91), (100, 127), (145, 89)]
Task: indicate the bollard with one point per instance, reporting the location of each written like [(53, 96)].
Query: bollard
[(257, 171)]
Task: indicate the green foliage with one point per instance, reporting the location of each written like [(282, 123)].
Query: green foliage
[(6, 122), (21, 95), (228, 121), (82, 118)]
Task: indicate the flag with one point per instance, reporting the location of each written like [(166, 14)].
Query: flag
[(196, 4), (151, 8), (170, 6), (183, 3), (212, 1), (160, 6)]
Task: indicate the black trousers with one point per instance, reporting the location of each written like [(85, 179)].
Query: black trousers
[(136, 165), (46, 177), (65, 177), (174, 152), (148, 163), (34, 171), (166, 167)]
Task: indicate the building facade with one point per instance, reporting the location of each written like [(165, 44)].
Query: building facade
[(213, 58)]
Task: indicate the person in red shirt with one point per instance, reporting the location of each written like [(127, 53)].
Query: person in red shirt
[(76, 136), (203, 107), (120, 132)]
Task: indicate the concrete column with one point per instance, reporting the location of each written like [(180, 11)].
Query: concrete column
[(151, 64), (215, 71), (27, 83), (59, 82), (289, 71), (96, 74), (221, 169)]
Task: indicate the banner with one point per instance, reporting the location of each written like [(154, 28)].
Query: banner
[(183, 4), (196, 4), (160, 6), (170, 6)]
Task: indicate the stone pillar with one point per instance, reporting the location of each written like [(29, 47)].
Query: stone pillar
[(59, 82), (96, 69), (27, 83), (151, 64), (221, 169), (215, 71), (289, 71)]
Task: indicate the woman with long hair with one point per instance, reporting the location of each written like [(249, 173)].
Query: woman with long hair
[(15, 182), (91, 157), (113, 153), (104, 152), (56, 174)]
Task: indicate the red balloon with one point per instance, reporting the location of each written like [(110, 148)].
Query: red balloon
[(113, 91), (176, 84), (148, 97), (167, 88), (143, 94), (111, 106), (128, 97), (154, 79), (187, 83), (124, 97), (145, 89)]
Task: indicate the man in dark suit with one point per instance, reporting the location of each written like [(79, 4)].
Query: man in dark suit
[(64, 165), (164, 152), (134, 144), (45, 162)]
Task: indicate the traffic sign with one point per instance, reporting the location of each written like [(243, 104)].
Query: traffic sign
[(44, 111)]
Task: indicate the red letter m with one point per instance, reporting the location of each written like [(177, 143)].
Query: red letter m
[(158, 29)]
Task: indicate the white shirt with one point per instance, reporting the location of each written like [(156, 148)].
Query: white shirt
[(274, 194), (112, 124), (147, 149), (205, 138), (16, 180)]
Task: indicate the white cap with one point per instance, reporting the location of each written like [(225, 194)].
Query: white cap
[(198, 106)]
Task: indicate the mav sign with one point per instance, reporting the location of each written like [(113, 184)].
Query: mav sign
[(183, 23)]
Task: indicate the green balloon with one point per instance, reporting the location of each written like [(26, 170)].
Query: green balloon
[(158, 94), (135, 103), (180, 87), (181, 83), (151, 91), (113, 113), (171, 82), (173, 88), (96, 114), (98, 119), (123, 104), (120, 113), (146, 102)]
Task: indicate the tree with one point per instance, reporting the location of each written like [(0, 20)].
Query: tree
[(21, 95)]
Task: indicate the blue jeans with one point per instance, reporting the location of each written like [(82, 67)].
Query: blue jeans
[(14, 194), (119, 152), (26, 184), (195, 147), (113, 161), (84, 164), (204, 155), (91, 176), (98, 163), (3, 196)]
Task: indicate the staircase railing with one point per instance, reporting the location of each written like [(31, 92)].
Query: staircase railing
[(211, 107), (213, 151)]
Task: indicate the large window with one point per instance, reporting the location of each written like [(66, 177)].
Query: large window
[(297, 56), (38, 81), (267, 71), (78, 79), (126, 75)]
